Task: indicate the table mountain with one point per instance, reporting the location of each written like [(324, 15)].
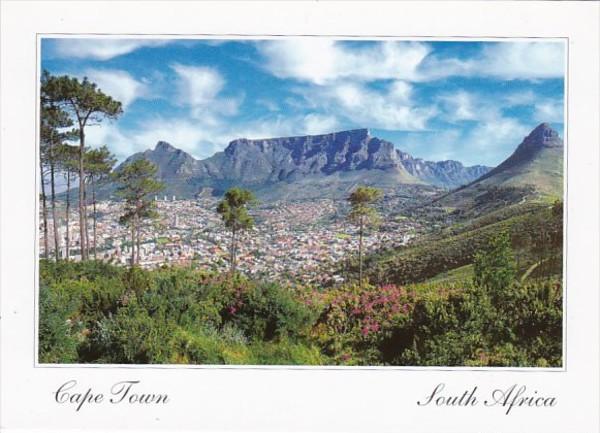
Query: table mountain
[(312, 165)]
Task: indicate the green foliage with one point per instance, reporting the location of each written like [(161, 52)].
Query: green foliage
[(93, 312), (520, 326), (53, 122), (58, 326), (67, 157), (495, 268), (266, 311), (233, 209), (535, 233), (82, 98), (363, 214), (356, 322), (72, 100), (99, 162), (361, 203), (137, 181)]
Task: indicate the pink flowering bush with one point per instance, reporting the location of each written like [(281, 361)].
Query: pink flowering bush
[(355, 322)]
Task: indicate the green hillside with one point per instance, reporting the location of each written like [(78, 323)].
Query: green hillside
[(534, 172), (535, 231)]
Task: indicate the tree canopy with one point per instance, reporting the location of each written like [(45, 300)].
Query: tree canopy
[(233, 209), (136, 182), (83, 98), (361, 201)]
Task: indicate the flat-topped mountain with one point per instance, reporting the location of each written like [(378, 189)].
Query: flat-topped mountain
[(292, 158), (326, 162)]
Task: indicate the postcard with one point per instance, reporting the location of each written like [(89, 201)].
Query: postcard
[(226, 223)]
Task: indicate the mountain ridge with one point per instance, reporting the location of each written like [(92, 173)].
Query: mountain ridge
[(352, 155), (534, 167)]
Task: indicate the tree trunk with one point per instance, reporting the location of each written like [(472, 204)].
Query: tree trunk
[(137, 235), (54, 220), (82, 225), (86, 231), (44, 213), (94, 215), (360, 247), (232, 252), (132, 243), (68, 208)]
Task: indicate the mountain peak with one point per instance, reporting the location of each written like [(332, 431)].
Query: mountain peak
[(542, 136), (164, 146)]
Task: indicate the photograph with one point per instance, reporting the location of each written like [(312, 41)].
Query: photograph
[(300, 201)]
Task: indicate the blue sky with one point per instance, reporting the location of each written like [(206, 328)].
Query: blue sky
[(469, 101)]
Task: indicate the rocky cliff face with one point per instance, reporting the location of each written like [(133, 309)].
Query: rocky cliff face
[(291, 158), (446, 174), (353, 155), (169, 160)]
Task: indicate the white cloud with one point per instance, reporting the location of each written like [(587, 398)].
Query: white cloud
[(493, 140), (282, 126), (459, 106), (437, 145), (489, 142), (323, 60), (118, 84), (319, 124), (496, 133), (544, 109), (100, 48), (108, 133), (494, 136), (527, 97), (336, 92), (184, 134), (388, 108), (523, 60), (549, 111), (501, 60), (199, 87)]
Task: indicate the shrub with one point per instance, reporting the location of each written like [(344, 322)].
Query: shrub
[(185, 316), (495, 267), (356, 323), (266, 311), (59, 325)]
